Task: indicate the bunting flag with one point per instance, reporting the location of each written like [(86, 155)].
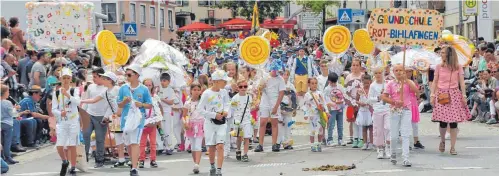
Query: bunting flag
[(255, 23)]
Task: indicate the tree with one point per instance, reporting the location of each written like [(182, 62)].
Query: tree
[(317, 6), (266, 9)]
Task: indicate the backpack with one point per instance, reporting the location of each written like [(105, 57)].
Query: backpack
[(45, 97)]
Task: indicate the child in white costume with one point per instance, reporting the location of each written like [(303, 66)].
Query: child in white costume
[(364, 118), (288, 111), (214, 106), (381, 116), (65, 103), (168, 98), (194, 125), (314, 103), (240, 111)]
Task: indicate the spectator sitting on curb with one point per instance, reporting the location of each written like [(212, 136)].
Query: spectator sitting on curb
[(32, 123)]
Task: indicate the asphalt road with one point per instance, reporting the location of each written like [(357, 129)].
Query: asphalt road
[(477, 147)]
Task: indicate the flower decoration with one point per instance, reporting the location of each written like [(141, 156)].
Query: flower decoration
[(275, 43), (274, 36), (205, 45)]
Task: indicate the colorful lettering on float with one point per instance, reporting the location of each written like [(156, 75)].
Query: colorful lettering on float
[(405, 26), (54, 25)]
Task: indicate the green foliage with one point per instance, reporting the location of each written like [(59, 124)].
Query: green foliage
[(317, 6), (266, 9)]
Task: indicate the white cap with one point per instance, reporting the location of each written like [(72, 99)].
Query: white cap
[(110, 75), (219, 75), (136, 68), (66, 72)]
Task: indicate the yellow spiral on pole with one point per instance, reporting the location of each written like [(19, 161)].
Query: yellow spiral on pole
[(122, 53), (337, 39), (254, 50), (362, 42), (106, 44)]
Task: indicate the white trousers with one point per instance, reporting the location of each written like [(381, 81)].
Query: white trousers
[(357, 131), (228, 138), (401, 123), (284, 131)]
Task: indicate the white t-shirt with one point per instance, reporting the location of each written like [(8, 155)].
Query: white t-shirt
[(271, 92), (237, 105), (321, 82), (111, 98), (375, 91), (96, 109), (212, 103), (169, 94)]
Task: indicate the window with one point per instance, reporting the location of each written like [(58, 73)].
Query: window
[(109, 9), (152, 15), (162, 18), (182, 3), (170, 19), (208, 3), (143, 14), (133, 15), (203, 3)]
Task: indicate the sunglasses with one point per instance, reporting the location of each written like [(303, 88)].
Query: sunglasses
[(129, 75), (245, 86), (18, 50)]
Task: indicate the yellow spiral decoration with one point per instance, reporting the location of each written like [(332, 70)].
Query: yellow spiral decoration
[(255, 50), (337, 39), (362, 42), (106, 44), (122, 53)]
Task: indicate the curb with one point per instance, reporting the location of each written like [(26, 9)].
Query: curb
[(33, 150)]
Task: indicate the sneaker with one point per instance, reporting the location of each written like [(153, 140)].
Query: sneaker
[(393, 159), (319, 148), (329, 143), (355, 144), (134, 172), (365, 147), (72, 172), (181, 148), (218, 172), (99, 165), (313, 148), (245, 158), (153, 164), (491, 121), (141, 164), (195, 170), (341, 143), (238, 155), (256, 141), (406, 163), (119, 164), (418, 145), (213, 170), (259, 148), (169, 152), (387, 153), (64, 168), (350, 141), (381, 154), (360, 144), (288, 147), (370, 146), (276, 147)]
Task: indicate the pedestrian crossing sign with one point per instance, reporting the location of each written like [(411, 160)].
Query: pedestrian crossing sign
[(130, 29), (345, 16)]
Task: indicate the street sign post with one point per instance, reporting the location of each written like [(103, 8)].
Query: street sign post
[(130, 29), (470, 7), (344, 16), (358, 16)]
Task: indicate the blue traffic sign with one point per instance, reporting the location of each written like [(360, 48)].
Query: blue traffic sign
[(130, 29), (344, 16)]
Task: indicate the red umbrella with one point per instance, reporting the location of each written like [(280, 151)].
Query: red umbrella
[(235, 21), (278, 23), (197, 26), (280, 20)]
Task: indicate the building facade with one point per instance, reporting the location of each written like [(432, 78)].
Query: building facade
[(188, 12), (151, 23)]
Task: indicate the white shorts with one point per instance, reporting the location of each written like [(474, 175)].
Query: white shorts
[(214, 134), (196, 143), (132, 137), (315, 126), (246, 130), (118, 137), (67, 133), (267, 112)]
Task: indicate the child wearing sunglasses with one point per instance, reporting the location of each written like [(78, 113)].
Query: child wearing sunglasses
[(240, 111)]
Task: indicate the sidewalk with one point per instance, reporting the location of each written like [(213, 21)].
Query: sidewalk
[(30, 150)]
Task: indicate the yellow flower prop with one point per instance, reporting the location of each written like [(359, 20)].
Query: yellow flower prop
[(254, 50), (274, 36), (362, 42), (337, 39), (110, 49)]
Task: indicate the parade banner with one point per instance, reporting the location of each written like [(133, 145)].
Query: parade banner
[(405, 26), (54, 25)]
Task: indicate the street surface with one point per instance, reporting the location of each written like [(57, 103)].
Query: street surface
[(477, 147)]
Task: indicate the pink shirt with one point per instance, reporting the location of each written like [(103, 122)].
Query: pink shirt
[(392, 88), (445, 78)]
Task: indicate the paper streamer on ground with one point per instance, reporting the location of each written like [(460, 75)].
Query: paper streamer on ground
[(55, 25), (255, 50), (362, 42), (337, 40)]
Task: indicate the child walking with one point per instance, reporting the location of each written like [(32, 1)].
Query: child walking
[(153, 118), (333, 94), (381, 115), (194, 125), (214, 106), (415, 112), (167, 97), (364, 117), (351, 95), (401, 115), (288, 111), (314, 105), (240, 111)]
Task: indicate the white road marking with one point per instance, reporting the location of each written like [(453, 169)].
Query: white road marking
[(385, 171), (174, 161), (482, 147), (461, 168), (38, 173), (269, 165)]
